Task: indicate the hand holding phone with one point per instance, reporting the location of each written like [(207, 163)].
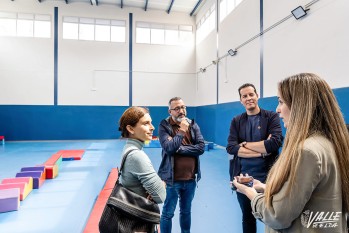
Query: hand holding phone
[(245, 180)]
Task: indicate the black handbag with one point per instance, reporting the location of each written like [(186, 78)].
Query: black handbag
[(128, 212)]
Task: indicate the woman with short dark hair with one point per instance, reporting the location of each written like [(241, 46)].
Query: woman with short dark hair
[(138, 174)]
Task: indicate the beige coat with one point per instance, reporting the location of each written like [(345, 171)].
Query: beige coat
[(314, 204)]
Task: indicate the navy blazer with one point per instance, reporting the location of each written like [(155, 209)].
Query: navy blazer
[(174, 146), (270, 124)]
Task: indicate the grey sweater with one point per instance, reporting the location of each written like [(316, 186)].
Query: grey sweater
[(138, 174), (314, 204)]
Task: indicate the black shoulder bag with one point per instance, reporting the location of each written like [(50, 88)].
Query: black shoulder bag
[(127, 212)]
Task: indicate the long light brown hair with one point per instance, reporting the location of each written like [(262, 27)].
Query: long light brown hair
[(313, 109)]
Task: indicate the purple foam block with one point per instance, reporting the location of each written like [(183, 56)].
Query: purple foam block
[(9, 199), (38, 168), (36, 177)]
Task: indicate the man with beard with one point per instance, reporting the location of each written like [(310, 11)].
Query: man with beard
[(254, 141), (182, 143)]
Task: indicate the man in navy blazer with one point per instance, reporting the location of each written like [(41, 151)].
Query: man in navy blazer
[(253, 143)]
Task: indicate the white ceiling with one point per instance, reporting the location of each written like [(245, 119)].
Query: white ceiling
[(185, 6)]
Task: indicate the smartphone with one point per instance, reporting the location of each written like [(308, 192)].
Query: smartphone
[(246, 180)]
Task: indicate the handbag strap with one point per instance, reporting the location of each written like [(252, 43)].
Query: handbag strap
[(123, 162)]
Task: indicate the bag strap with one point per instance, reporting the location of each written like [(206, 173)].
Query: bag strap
[(123, 162)]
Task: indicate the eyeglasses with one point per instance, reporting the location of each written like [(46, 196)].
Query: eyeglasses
[(177, 109)]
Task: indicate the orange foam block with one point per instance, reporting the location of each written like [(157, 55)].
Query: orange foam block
[(112, 178), (52, 165), (96, 213), (71, 154)]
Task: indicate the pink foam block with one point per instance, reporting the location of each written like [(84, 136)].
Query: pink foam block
[(22, 188), (28, 188), (9, 199)]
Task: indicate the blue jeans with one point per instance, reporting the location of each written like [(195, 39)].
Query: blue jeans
[(184, 191), (249, 224)]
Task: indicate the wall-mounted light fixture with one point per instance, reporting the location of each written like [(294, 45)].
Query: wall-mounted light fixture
[(202, 70), (299, 12), (232, 52)]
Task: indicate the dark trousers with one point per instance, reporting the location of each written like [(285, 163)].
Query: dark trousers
[(249, 224)]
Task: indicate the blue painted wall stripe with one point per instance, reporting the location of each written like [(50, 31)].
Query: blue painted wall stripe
[(130, 57), (214, 120), (30, 122), (55, 59)]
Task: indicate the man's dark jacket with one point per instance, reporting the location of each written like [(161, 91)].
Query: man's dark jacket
[(270, 124), (174, 146)]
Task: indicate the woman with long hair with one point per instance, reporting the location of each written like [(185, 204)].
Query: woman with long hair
[(307, 189)]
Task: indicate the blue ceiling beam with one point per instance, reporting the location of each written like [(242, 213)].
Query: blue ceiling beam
[(169, 9), (95, 1), (196, 6), (146, 5)]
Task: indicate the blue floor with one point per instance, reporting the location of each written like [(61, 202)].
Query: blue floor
[(63, 204)]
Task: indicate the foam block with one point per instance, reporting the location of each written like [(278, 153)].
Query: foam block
[(96, 213), (71, 154), (9, 199), (51, 171), (54, 159), (112, 178), (206, 147), (27, 189), (210, 145), (52, 166), (36, 168), (22, 188), (153, 144), (2, 139), (38, 178)]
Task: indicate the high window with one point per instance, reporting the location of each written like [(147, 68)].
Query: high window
[(163, 34), (227, 6), (25, 25), (79, 28), (206, 24)]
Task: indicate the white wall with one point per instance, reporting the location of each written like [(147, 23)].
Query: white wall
[(206, 52), (95, 73), (26, 64), (317, 43), (92, 72), (235, 29), (163, 71)]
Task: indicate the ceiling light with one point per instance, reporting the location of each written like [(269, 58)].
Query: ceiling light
[(232, 52), (299, 12)]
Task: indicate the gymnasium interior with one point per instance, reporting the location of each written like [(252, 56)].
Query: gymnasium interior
[(70, 68)]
